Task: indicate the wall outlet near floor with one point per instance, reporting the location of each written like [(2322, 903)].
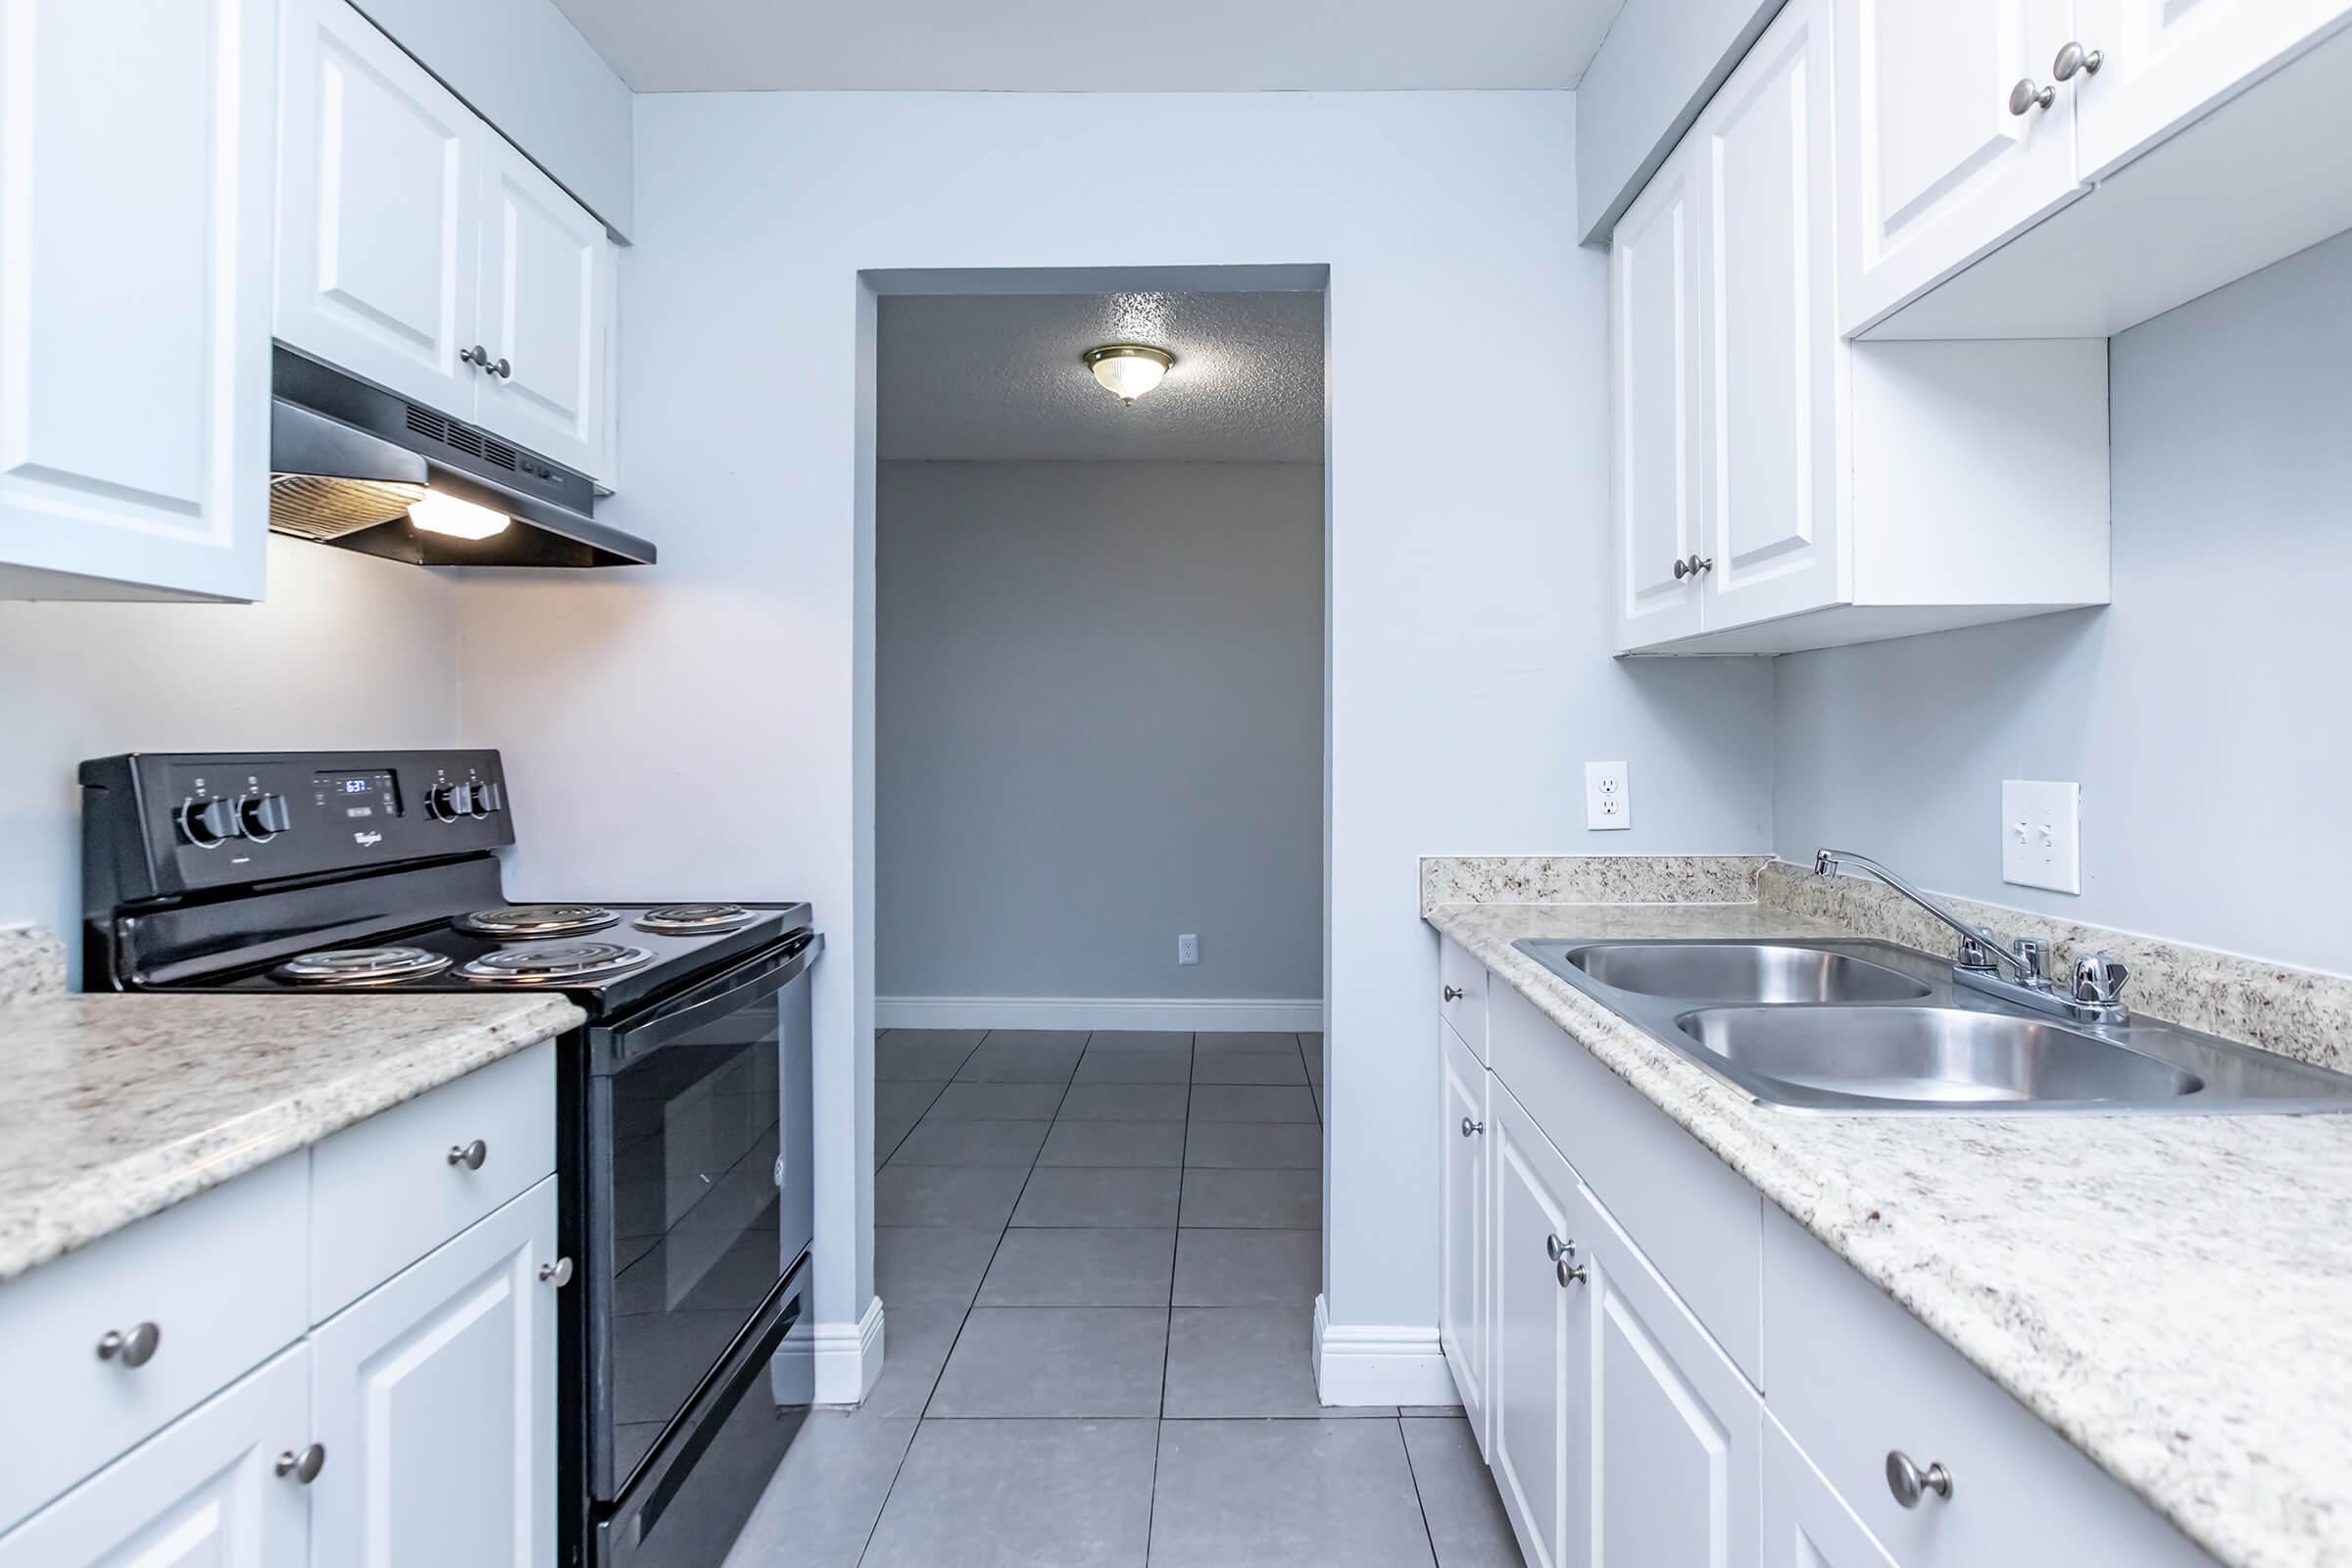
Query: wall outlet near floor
[(1608, 801), (2042, 834), (1188, 948)]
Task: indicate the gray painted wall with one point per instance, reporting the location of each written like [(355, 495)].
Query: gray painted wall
[(1661, 62), (2203, 712), (80, 680), (1098, 722)]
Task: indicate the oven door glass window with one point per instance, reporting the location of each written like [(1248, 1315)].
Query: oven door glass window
[(695, 1214)]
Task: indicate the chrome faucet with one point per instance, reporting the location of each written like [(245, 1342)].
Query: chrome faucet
[(2095, 996)]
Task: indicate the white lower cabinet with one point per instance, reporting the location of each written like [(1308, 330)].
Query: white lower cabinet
[(207, 1492), (1538, 1343), (435, 1401), (1465, 1211), (234, 1418), (1623, 1431), (1807, 1524), (1676, 1431)]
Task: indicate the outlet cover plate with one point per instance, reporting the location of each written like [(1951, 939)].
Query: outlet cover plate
[(2042, 834), (1608, 798)]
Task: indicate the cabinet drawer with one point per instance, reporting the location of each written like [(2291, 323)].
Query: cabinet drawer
[(1852, 1376), (1462, 994), (388, 1190), (1698, 1221), (220, 1277)]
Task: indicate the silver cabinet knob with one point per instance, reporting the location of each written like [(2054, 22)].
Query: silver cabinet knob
[(558, 1273), (2027, 96), (1692, 566), (304, 1466), (1469, 1127), (1909, 1483), (476, 355), (471, 1155), (1563, 1261), (502, 370), (2073, 57), (1454, 993), (136, 1348)]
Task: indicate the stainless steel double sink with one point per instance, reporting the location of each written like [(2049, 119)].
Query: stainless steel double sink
[(1860, 1026)]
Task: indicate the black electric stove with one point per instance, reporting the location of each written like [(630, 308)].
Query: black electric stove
[(683, 1103)]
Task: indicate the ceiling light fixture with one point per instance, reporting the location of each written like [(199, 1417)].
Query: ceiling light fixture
[(459, 518), (1128, 371)]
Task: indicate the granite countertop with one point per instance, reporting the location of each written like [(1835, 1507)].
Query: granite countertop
[(2173, 1295), (116, 1106)]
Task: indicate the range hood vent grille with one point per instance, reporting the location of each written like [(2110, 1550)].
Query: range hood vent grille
[(312, 508), (463, 437)]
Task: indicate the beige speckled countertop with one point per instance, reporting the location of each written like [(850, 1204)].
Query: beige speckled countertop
[(112, 1108), (2173, 1295)]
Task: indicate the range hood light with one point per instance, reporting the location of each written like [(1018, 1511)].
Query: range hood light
[(1128, 371), (460, 520)]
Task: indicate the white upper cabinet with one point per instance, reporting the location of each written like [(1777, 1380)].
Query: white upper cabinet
[(1771, 543), (1935, 166), (379, 214), (2070, 167), (1654, 339), (2165, 62), (420, 249), (136, 155), (546, 294), (1843, 492)]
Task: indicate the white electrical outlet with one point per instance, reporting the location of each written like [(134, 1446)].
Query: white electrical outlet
[(1608, 801), (1188, 948), (2042, 834)]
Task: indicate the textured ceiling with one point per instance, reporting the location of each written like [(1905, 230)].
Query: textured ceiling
[(997, 378), (1081, 46)]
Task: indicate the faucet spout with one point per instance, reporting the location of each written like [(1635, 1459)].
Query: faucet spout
[(1974, 938)]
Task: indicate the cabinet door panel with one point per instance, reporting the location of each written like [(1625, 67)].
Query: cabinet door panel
[(135, 153), (1773, 358), (1464, 1240), (1538, 1352), (203, 1492), (380, 191), (1676, 1447), (1655, 403), (1807, 1524), (435, 1396), (546, 285), (1933, 169), (2166, 61)]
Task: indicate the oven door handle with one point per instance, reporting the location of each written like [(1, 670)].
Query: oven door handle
[(617, 1047)]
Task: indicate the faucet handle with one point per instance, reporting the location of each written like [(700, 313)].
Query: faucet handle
[(2033, 956), (1976, 953), (2099, 978)]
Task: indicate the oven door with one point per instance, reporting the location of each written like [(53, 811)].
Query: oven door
[(695, 1205)]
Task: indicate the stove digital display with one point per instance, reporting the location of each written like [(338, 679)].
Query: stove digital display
[(358, 797)]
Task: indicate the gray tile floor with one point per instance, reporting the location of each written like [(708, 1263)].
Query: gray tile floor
[(1098, 1257)]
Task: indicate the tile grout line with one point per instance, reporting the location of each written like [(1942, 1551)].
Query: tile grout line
[(1167, 1341), (1420, 1503)]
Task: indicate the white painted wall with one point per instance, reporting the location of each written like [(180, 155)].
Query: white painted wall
[(728, 743), (2202, 712), (347, 651), (525, 68), (1661, 62), (1098, 724)]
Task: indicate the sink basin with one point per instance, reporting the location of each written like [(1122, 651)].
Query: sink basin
[(1931, 1055), (1742, 971)]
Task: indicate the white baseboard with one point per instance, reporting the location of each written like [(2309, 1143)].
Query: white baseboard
[(1380, 1364), (1097, 1012), (846, 1356)]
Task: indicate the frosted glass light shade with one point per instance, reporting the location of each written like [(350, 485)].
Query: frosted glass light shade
[(1128, 371)]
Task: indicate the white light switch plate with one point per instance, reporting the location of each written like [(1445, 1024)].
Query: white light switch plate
[(1608, 799), (2042, 834)]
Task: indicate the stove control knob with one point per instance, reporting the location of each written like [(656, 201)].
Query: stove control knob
[(489, 797), (447, 802), (264, 816), (206, 822), (475, 798)]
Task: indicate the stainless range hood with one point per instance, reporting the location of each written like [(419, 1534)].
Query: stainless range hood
[(348, 459)]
